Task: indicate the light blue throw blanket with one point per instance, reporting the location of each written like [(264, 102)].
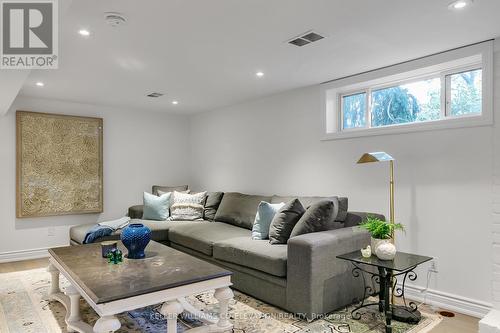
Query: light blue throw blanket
[(104, 229), (96, 232)]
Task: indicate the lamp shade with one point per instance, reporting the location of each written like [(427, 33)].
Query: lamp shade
[(379, 156)]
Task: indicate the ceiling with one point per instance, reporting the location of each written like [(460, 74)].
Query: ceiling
[(205, 53)]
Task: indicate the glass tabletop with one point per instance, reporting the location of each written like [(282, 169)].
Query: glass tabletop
[(402, 262)]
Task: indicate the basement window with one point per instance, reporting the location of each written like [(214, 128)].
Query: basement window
[(410, 97)]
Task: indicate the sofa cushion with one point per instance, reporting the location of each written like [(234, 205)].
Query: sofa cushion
[(136, 212), (256, 254), (201, 236), (308, 201), (159, 230), (284, 221), (166, 189), (239, 209), (320, 216), (263, 219), (156, 207), (187, 207), (212, 204)]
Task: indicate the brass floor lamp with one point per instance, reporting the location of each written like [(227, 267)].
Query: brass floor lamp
[(399, 312), (383, 157)]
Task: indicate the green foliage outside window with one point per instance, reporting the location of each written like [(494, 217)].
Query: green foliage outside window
[(415, 102)]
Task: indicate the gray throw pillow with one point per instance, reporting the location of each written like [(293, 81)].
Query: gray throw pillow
[(320, 216), (212, 204), (284, 221)]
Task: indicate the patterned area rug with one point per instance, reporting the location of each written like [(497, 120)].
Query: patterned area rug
[(24, 308)]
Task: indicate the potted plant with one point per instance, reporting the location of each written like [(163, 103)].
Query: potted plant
[(380, 231)]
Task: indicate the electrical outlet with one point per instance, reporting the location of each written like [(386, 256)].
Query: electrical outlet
[(434, 266), (51, 231)]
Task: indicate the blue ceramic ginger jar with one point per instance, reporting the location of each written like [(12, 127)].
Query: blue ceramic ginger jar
[(136, 237)]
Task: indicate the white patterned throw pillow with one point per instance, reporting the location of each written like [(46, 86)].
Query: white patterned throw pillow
[(187, 207)]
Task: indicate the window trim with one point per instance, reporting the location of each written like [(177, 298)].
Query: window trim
[(478, 56)]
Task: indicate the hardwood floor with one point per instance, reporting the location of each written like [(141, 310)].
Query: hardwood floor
[(458, 324)]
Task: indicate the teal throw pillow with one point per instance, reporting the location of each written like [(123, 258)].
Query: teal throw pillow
[(156, 208), (265, 214)]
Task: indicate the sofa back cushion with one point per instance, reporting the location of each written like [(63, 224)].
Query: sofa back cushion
[(340, 202), (166, 189), (239, 209)]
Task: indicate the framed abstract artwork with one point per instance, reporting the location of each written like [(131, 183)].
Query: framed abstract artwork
[(59, 164)]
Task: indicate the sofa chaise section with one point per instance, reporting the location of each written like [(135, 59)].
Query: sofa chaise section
[(159, 231)]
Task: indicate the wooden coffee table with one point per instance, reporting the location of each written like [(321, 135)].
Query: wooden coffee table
[(166, 276)]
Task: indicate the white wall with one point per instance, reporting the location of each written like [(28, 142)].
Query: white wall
[(443, 178), (140, 149)]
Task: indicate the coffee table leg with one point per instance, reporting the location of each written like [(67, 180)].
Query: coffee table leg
[(54, 280), (74, 307), (171, 310), (107, 324), (224, 295)]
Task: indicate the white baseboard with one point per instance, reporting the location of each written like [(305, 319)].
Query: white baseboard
[(23, 255), (490, 323), (448, 301)]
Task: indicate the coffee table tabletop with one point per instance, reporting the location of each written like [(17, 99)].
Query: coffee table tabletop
[(163, 268)]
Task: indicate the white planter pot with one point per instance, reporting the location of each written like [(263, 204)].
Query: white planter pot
[(376, 242)]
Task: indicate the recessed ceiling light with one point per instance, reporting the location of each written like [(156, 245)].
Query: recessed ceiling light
[(459, 4), (40, 84), (175, 102), (84, 32), (259, 74)]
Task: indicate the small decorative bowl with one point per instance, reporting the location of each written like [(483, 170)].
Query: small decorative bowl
[(367, 252), (107, 247)]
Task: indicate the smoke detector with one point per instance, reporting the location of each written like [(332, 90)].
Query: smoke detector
[(114, 19)]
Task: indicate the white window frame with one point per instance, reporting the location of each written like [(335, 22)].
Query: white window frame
[(478, 56)]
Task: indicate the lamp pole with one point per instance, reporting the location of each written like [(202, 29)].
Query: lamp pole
[(391, 194), (391, 214)]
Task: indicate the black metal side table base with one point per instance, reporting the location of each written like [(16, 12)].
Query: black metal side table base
[(406, 315), (389, 271)]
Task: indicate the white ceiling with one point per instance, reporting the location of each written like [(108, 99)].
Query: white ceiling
[(205, 53)]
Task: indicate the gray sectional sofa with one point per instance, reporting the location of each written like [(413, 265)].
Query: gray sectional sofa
[(302, 276)]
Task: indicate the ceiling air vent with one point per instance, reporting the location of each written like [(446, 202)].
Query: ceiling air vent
[(306, 38), (114, 19), (155, 95)]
